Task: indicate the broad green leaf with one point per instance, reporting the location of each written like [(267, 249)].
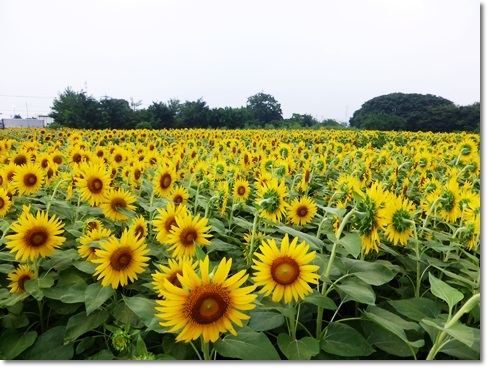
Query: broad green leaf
[(96, 295), (145, 309), (247, 345), (417, 308), (63, 259), (294, 349), (13, 343), (85, 344), (339, 212), (85, 266), (81, 323), (262, 320), (67, 293), (386, 340), (8, 299), (459, 350), (352, 243), (467, 335), (343, 340), (373, 273), (320, 300), (444, 291), (313, 242), (389, 319), (50, 346), (102, 355), (34, 287), (357, 290), (6, 268)]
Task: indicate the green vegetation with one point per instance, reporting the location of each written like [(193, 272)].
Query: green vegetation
[(416, 112)]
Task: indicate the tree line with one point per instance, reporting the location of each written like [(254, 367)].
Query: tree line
[(77, 110)]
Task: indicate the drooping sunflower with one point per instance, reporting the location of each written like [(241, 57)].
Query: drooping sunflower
[(206, 305), (35, 235), (28, 178), (170, 272), (165, 221), (121, 260), (87, 248), (241, 189), (449, 203), (5, 202), (179, 195), (138, 227), (21, 274), (190, 232), (271, 200), (93, 183), (398, 211), (116, 202), (164, 180), (285, 271), (302, 211)]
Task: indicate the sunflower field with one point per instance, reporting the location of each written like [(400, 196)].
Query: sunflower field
[(244, 245)]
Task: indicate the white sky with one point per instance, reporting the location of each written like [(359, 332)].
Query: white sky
[(319, 57)]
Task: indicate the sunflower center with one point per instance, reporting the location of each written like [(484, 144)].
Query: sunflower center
[(137, 174), (20, 160), (178, 199), (188, 236), (37, 237), (118, 158), (117, 203), (139, 232), (2, 203), (207, 304), (285, 270), (22, 281), (121, 259), (95, 185), (174, 279), (45, 163), (77, 158), (302, 211), (165, 181), (30, 180), (241, 190), (169, 223), (58, 160)]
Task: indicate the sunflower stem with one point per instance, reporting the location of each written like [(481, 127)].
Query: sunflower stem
[(253, 235), (206, 350), (417, 254), (54, 193), (196, 350), (432, 207)]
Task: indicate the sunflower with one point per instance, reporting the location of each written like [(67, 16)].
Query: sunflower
[(205, 305), (5, 202), (164, 180), (93, 183), (450, 197), (302, 211), (121, 260), (28, 178), (178, 195), (398, 212), (170, 272), (241, 189), (35, 235), (138, 227), (271, 200), (117, 203), (165, 221), (189, 233), (87, 250), (22, 274), (285, 271), (92, 224)]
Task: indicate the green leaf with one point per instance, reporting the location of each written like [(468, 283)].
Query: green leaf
[(390, 320), (373, 273), (50, 346), (6, 268), (67, 293), (85, 266), (343, 340), (417, 308), (262, 320), (294, 349), (13, 343), (247, 345), (444, 291), (145, 309), (469, 336), (34, 287), (313, 242), (339, 212), (386, 340), (96, 295), (81, 323), (320, 300), (459, 350), (352, 243), (357, 290)]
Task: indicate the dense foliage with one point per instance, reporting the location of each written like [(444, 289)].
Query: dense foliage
[(416, 112), (77, 110), (239, 244)]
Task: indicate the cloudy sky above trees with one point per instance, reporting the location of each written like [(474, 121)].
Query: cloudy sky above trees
[(319, 57)]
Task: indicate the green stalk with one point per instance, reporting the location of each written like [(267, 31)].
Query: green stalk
[(253, 235), (206, 350), (439, 341), (432, 207), (54, 193)]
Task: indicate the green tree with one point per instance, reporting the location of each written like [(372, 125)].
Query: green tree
[(76, 110), (264, 107), (160, 115), (383, 122), (117, 113), (195, 114)]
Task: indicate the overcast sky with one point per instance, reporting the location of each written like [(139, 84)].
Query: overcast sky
[(319, 57)]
